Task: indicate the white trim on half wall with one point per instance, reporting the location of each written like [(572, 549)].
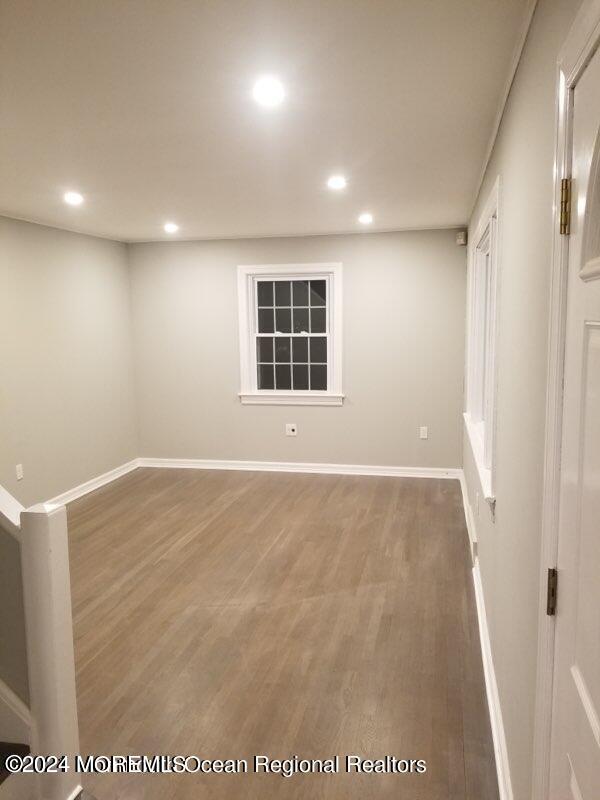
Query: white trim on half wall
[(493, 698)]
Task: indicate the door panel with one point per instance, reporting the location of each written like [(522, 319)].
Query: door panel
[(575, 764)]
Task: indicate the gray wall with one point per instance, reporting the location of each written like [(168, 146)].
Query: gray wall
[(509, 550), (403, 352), (67, 408)]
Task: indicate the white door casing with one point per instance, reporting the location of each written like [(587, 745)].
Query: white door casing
[(575, 743)]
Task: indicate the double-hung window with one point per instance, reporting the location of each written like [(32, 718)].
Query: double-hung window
[(290, 334), (481, 350)]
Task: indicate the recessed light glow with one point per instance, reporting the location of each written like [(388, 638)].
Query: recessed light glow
[(73, 198), (365, 218), (268, 91), (171, 227), (337, 182)]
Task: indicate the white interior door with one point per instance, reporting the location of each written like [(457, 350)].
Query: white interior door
[(575, 761)]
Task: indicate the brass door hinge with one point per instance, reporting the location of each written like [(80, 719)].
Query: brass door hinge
[(552, 592), (565, 206)]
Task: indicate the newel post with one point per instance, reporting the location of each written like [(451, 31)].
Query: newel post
[(50, 655)]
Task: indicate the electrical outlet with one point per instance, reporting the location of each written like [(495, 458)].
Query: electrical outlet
[(19, 471), (291, 429), (423, 432)]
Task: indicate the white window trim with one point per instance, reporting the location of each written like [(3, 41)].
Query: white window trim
[(480, 422), (249, 393)]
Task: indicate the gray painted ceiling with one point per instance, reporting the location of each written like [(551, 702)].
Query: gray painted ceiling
[(145, 107)]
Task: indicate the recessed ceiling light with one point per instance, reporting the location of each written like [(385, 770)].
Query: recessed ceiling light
[(337, 182), (268, 91), (171, 227), (365, 218), (73, 198)]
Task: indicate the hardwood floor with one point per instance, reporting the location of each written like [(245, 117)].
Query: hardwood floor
[(228, 614)]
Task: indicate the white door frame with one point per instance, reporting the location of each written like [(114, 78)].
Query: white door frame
[(580, 45)]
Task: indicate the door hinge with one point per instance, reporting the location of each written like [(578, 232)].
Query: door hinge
[(552, 592), (565, 206)]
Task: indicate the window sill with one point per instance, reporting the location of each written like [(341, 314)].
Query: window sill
[(291, 399), (485, 474)]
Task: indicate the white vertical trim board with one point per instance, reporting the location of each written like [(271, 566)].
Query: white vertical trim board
[(469, 519), (491, 685), (493, 698), (580, 44), (49, 638)]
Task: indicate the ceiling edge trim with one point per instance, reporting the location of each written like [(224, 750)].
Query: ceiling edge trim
[(514, 65), (170, 240), (77, 231), (353, 232)]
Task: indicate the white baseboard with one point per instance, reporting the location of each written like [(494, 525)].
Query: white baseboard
[(15, 717), (491, 686), (94, 483), (292, 466), (469, 519), (493, 698), (452, 473)]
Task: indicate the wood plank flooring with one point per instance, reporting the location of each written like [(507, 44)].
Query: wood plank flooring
[(233, 614)]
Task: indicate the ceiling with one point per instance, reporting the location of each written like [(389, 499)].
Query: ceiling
[(145, 107)]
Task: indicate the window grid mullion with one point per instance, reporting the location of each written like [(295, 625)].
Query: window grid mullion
[(291, 335)]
